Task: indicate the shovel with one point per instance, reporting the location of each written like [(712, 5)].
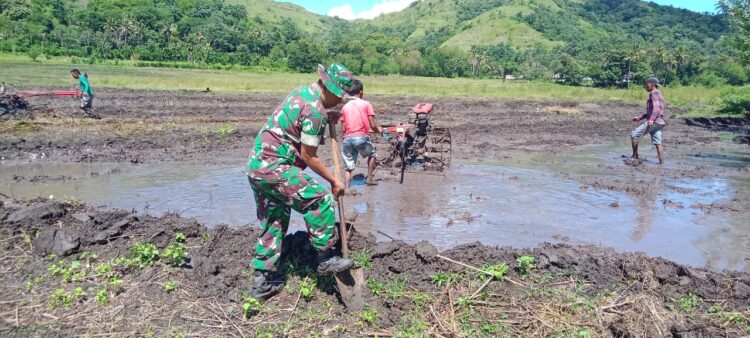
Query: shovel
[(350, 282)]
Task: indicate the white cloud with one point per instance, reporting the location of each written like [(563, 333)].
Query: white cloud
[(344, 11), (386, 6)]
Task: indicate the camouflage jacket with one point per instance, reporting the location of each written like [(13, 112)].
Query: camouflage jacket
[(299, 119)]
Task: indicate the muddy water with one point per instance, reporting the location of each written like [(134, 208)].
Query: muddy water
[(521, 201)]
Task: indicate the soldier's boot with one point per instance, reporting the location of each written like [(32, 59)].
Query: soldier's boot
[(328, 263), (265, 285)]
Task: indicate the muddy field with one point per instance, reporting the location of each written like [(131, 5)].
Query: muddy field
[(65, 273), (144, 126), (69, 268)]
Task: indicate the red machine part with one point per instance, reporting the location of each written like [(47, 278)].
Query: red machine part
[(30, 93), (423, 108)]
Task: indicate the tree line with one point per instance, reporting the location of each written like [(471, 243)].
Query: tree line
[(620, 41)]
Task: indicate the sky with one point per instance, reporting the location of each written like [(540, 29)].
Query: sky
[(369, 9)]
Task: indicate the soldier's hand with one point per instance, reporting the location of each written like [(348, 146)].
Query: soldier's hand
[(650, 124), (338, 189)]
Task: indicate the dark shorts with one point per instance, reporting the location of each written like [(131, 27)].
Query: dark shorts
[(86, 101)]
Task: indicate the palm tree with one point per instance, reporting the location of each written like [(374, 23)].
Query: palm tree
[(635, 53)]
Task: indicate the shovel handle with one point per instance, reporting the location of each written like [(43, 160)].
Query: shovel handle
[(337, 171)]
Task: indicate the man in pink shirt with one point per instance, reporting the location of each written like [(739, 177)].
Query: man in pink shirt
[(654, 117), (358, 118)]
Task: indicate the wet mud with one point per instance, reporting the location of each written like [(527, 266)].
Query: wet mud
[(145, 126), (632, 294)]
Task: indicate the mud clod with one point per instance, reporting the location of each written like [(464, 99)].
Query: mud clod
[(59, 242)]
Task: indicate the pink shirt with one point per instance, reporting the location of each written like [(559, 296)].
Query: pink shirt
[(354, 117)]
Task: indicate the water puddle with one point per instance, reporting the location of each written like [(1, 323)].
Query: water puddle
[(519, 204)]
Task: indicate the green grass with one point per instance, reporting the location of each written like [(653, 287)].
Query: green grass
[(16, 71)]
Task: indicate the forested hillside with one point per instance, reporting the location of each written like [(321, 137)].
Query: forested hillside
[(578, 41)]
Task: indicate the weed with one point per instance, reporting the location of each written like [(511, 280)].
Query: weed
[(250, 307), (170, 286), (180, 237), (307, 287), (69, 273), (175, 254), (115, 282), (144, 254), (368, 316), (525, 265), (60, 297), (583, 333), (441, 279), (362, 258), (103, 270), (395, 289), (205, 238), (412, 327), (463, 302), (375, 286), (102, 296), (34, 282), (491, 329), (498, 271), (419, 299), (226, 130), (690, 302)]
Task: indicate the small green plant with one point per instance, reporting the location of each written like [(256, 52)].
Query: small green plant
[(175, 254), (441, 279), (226, 130), (180, 237), (103, 270), (33, 283), (69, 272), (583, 333), (102, 296), (498, 271), (525, 265), (250, 307), (463, 302), (115, 282), (60, 297), (690, 302), (307, 287), (170, 286), (144, 254), (395, 289), (362, 258), (369, 316), (419, 299), (375, 286)]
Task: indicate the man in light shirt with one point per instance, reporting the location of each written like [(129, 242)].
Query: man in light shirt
[(358, 119)]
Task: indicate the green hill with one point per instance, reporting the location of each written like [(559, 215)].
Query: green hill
[(606, 41), (277, 11)]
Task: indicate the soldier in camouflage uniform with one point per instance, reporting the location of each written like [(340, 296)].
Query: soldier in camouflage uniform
[(284, 147)]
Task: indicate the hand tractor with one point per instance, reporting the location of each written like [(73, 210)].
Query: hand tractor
[(13, 106), (416, 144)]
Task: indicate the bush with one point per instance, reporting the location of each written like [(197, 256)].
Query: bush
[(734, 100), (710, 80)]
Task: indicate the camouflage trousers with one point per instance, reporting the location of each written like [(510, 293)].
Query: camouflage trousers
[(279, 190)]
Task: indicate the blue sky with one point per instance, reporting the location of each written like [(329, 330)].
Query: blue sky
[(350, 9)]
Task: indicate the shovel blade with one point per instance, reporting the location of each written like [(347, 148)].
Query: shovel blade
[(351, 284)]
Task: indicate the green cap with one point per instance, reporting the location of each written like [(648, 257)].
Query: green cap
[(337, 78)]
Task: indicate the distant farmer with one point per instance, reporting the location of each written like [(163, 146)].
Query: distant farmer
[(284, 147), (87, 95), (654, 117), (358, 118)]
